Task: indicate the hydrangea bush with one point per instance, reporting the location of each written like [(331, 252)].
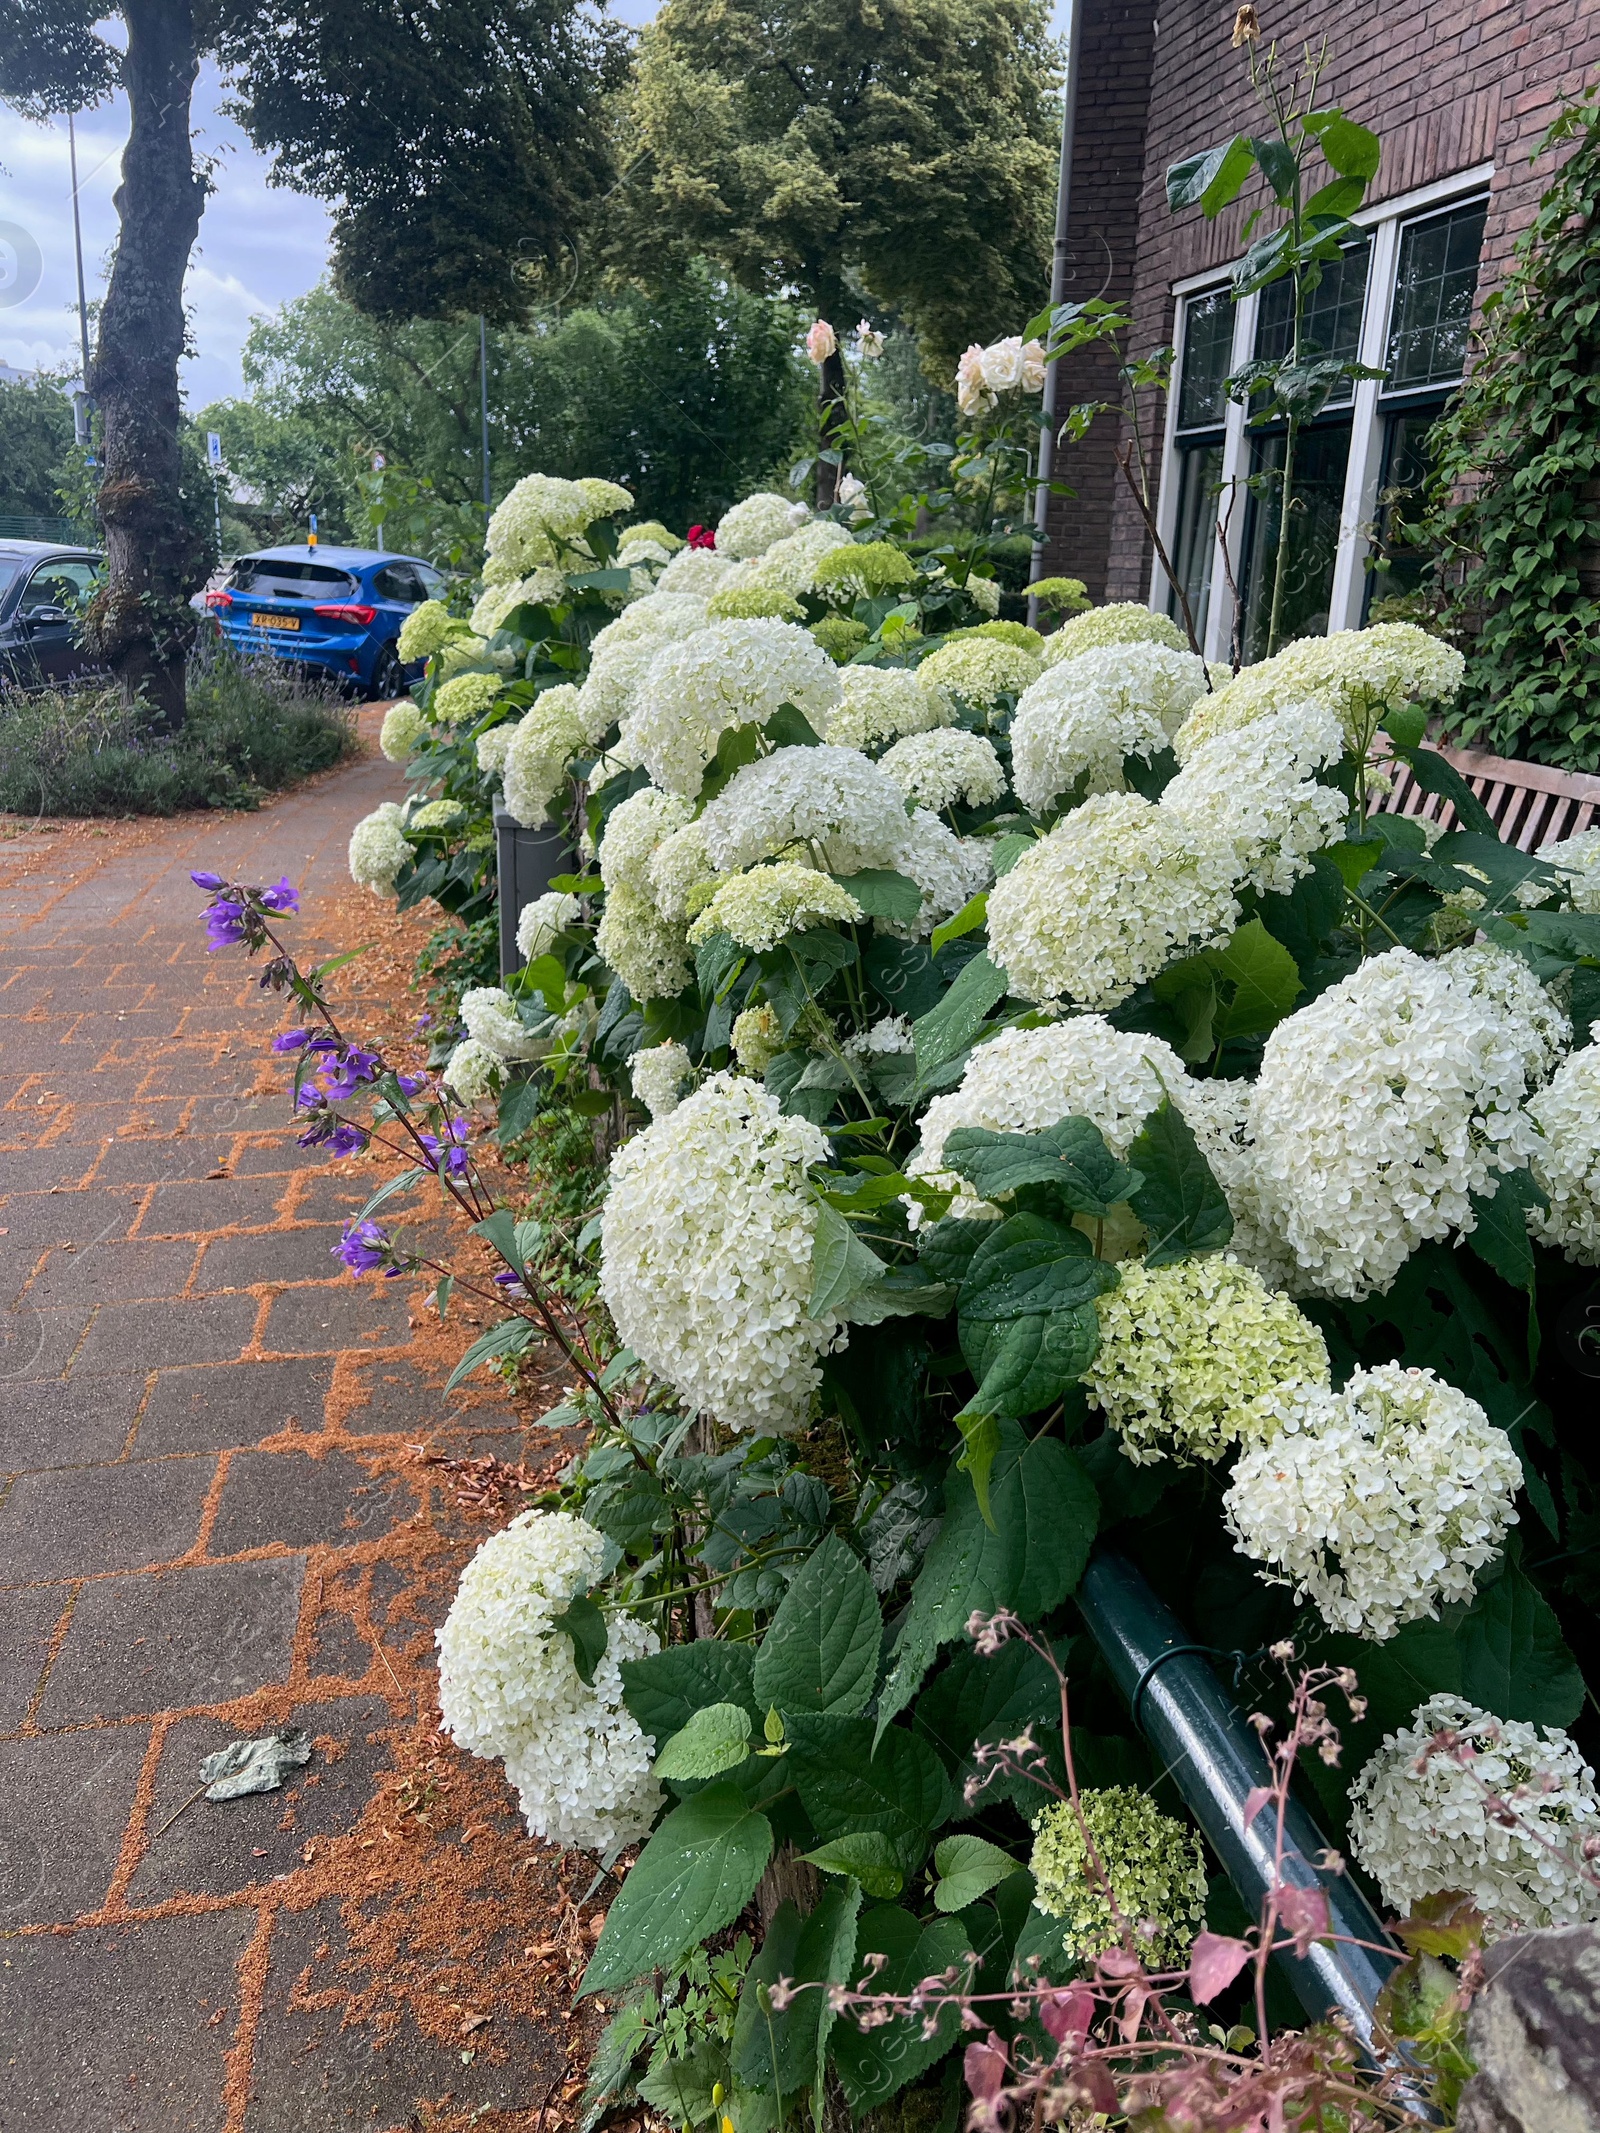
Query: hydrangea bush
[(1048, 1106)]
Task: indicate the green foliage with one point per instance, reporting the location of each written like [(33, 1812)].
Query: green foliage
[(250, 731), (810, 146), (35, 437), (696, 1874), (1511, 498), (821, 1652), (684, 398)]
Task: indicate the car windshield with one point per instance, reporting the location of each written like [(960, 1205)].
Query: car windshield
[(278, 578)]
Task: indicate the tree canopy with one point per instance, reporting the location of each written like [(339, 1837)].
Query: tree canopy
[(806, 142)]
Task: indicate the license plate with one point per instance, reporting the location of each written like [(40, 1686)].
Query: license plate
[(275, 622)]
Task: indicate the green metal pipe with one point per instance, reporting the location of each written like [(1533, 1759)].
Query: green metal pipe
[(1213, 1756)]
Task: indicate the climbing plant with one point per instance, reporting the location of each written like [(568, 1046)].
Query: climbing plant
[(1516, 487)]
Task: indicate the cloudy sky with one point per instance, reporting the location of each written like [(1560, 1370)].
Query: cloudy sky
[(259, 245)]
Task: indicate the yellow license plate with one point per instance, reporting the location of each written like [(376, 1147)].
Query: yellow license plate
[(276, 622)]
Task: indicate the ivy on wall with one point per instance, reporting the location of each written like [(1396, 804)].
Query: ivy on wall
[(1514, 502)]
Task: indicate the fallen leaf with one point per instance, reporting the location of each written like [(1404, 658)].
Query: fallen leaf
[(475, 2021)]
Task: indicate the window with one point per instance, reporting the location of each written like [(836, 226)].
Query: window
[(398, 581), (65, 583), (1400, 300), (287, 578)]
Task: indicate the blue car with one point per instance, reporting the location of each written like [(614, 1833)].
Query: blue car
[(336, 609)]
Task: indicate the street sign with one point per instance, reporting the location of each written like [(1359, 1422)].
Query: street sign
[(213, 448)]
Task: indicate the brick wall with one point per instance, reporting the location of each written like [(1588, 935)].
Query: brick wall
[(1102, 230), (1446, 84)]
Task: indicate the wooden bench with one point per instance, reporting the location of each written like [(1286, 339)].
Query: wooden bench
[(1531, 805)]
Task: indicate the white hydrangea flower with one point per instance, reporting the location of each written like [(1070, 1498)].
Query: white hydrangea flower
[(1566, 1161), (379, 849), (695, 570), (838, 803), (1117, 890), (880, 703), (679, 866), (728, 674), (1123, 622), (1026, 1079), (1192, 1358), (1380, 1108), (1219, 1115), (889, 1035), (1359, 675), (1578, 858), (948, 765), (752, 527), (509, 1685), (756, 1038), (644, 949), (765, 906), (539, 922), (604, 498), (541, 588), (1084, 714), (494, 746), (985, 594), (1256, 791), (1421, 1824), (1507, 984), (545, 740), (490, 1016), (949, 870), (658, 1074), (538, 512), (620, 655), (791, 564), (706, 1243), (980, 670), (403, 727), (632, 833), (1376, 1502), (472, 1070)]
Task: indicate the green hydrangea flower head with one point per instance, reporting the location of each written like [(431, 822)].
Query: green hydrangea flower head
[(1123, 622), (757, 1038), (465, 698), (742, 603), (840, 636), (1194, 1357), (980, 670), (1152, 1861), (427, 629), (650, 530), (1060, 595), (1017, 633), (864, 571)]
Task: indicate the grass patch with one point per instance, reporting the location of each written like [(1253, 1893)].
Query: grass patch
[(253, 728)]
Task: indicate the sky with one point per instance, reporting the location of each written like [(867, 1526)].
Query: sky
[(260, 246)]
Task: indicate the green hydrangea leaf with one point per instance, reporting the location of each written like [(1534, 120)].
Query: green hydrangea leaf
[(695, 1875), (716, 1739)]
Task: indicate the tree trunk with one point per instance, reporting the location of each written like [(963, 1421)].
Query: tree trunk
[(141, 623)]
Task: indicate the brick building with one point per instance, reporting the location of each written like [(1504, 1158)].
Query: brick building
[(1459, 92)]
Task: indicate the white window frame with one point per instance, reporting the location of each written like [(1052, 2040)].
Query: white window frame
[(1363, 472)]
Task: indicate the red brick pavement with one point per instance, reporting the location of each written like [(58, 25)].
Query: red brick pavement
[(210, 1525)]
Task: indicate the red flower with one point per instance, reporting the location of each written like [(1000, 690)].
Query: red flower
[(702, 537)]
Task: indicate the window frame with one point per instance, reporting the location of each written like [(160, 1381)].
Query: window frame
[(1347, 596)]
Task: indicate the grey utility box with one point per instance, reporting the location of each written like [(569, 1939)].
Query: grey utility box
[(525, 862)]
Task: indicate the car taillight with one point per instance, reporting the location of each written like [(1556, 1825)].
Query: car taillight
[(219, 599), (342, 612)]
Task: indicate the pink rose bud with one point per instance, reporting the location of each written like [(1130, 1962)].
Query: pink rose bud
[(821, 341)]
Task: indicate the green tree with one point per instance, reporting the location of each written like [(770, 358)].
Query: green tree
[(459, 142), (687, 397), (908, 149), (35, 434)]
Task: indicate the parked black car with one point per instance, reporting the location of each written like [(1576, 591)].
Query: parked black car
[(43, 591)]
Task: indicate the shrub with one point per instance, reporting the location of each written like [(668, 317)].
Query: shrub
[(251, 730)]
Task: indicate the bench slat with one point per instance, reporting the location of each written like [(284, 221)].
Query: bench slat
[(1529, 803)]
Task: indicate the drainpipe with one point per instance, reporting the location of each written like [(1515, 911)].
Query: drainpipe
[(1214, 1758), (1058, 286)]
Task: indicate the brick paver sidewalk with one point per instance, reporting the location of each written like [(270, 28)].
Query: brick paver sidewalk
[(209, 1526)]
